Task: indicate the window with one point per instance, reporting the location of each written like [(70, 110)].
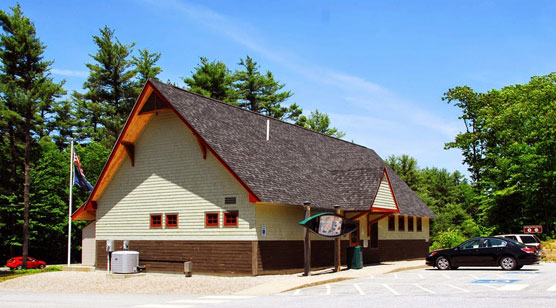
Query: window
[(156, 221), (401, 223), (471, 244), (211, 219), (498, 243), (391, 223), (419, 224), (528, 239), (230, 219), (410, 220), (171, 220)]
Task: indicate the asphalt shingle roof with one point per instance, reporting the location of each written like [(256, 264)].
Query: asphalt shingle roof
[(296, 164)]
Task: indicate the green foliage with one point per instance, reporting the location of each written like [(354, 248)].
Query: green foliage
[(110, 89), (509, 146), (25, 272), (319, 122), (212, 79), (406, 168), (448, 239), (145, 67)]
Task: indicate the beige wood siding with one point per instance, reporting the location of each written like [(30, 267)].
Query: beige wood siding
[(88, 245), (384, 234), (171, 176), (384, 198)]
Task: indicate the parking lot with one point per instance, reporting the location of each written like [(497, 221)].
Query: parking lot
[(537, 279)]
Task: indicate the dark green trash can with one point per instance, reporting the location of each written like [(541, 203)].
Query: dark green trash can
[(355, 257)]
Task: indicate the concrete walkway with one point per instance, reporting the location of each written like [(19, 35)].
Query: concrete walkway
[(329, 276)]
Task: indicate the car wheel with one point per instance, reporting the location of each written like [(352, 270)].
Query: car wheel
[(508, 263), (442, 263), (41, 266), (18, 267)]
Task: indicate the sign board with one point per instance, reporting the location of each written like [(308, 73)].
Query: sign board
[(329, 225), (532, 229), (263, 230)]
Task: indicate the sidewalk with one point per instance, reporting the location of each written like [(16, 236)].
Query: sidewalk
[(328, 276)]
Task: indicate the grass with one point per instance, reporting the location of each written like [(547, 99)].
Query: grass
[(549, 250), (24, 272)]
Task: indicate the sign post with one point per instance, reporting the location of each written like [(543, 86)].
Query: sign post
[(307, 243), (337, 253), (532, 229)]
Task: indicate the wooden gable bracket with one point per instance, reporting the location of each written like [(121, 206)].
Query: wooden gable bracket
[(130, 149), (94, 204), (202, 146), (379, 218)]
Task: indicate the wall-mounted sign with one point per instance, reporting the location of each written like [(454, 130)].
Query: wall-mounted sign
[(263, 230), (532, 229), (329, 225)]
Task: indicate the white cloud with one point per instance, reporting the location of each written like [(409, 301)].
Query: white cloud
[(69, 73)]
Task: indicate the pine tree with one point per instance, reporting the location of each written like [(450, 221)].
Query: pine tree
[(145, 67), (27, 92), (319, 122), (214, 80), (110, 89), (261, 93)]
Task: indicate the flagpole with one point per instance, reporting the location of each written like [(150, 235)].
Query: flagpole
[(70, 201)]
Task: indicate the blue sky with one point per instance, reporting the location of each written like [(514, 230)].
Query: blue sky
[(379, 69)]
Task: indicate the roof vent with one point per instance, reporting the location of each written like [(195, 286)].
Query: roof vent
[(267, 129), (230, 200)]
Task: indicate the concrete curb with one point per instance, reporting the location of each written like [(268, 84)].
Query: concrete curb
[(327, 276)]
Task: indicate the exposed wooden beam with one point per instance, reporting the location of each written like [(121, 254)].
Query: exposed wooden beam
[(359, 215), (372, 221), (95, 205), (130, 149), (202, 146), (154, 111)]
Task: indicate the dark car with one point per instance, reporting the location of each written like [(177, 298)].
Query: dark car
[(17, 263), (485, 251)]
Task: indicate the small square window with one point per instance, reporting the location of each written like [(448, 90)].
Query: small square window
[(211, 219), (230, 219), (410, 224), (171, 220), (401, 223), (391, 223), (419, 224), (156, 221)]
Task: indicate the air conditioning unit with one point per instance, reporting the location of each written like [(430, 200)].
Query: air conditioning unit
[(124, 262)]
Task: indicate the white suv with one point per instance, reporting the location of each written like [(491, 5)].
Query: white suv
[(529, 240)]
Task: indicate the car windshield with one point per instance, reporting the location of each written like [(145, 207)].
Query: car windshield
[(529, 239)]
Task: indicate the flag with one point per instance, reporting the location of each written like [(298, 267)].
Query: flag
[(79, 175)]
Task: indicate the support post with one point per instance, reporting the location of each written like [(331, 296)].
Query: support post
[(70, 201), (337, 252), (307, 243)]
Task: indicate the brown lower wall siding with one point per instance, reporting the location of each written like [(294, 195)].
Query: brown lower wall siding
[(236, 257), (229, 257)]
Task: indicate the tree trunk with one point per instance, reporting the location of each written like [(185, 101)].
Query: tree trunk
[(26, 188)]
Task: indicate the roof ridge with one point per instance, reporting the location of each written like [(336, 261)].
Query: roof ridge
[(256, 113)]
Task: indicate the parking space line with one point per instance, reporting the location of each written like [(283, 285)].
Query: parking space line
[(446, 276), (297, 292), (513, 287), (359, 289), (421, 276), (457, 288), (390, 289), (552, 289), (327, 289), (487, 286), (424, 289)]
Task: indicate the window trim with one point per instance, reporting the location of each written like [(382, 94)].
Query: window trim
[(401, 218), (151, 221), (167, 221), (231, 225), (207, 225)]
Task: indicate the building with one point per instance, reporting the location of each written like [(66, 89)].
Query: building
[(192, 178)]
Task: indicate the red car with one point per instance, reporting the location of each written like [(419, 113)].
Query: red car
[(17, 263)]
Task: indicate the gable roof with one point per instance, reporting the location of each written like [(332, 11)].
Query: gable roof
[(294, 165)]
